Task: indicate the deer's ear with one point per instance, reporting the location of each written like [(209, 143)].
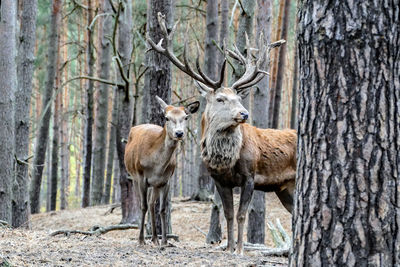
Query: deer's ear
[(162, 103), (243, 93), (192, 107), (203, 89)]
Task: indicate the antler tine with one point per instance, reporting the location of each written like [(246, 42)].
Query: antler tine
[(169, 53), (208, 80), (222, 74)]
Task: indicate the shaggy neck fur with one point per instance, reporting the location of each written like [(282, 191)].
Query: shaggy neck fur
[(221, 145)]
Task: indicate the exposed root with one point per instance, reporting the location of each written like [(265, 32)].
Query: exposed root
[(4, 224), (96, 230)]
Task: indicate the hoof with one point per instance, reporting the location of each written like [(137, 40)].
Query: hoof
[(155, 241)]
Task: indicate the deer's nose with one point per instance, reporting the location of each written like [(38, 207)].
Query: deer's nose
[(244, 115), (179, 134)]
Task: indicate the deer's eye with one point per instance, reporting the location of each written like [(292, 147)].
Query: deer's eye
[(186, 118), (220, 100), (166, 118)]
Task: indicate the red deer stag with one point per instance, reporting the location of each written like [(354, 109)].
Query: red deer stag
[(150, 160), (236, 153)]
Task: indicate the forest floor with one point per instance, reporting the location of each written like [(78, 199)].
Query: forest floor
[(36, 247)]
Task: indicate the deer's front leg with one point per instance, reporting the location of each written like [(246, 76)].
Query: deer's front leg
[(163, 206), (154, 196), (245, 198), (142, 190), (227, 202)]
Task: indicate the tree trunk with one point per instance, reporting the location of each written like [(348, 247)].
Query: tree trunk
[(111, 152), (346, 212), (129, 199), (157, 80), (8, 86), (54, 153), (91, 194), (246, 22), (20, 205), (43, 129), (293, 113), (256, 220), (281, 67), (214, 234), (100, 143)]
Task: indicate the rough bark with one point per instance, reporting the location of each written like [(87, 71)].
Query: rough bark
[(43, 129), (256, 219), (214, 234), (281, 67), (157, 80), (347, 206), (90, 195), (293, 113), (20, 204), (8, 86), (129, 199), (101, 123), (54, 154)]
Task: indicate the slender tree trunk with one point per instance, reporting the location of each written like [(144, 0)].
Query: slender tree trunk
[(90, 194), (256, 219), (281, 67), (346, 212), (157, 79), (246, 22), (100, 143), (214, 234), (293, 114), (129, 199), (48, 177), (20, 205), (116, 196), (54, 153), (8, 87), (205, 183), (43, 130)]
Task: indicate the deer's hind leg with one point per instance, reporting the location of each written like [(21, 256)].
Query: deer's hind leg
[(286, 195)]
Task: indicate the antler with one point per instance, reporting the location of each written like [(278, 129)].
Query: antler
[(185, 66), (253, 72)]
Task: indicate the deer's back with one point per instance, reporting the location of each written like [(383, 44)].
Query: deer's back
[(142, 142), (274, 154)]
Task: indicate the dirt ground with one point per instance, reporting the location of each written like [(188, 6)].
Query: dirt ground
[(36, 247)]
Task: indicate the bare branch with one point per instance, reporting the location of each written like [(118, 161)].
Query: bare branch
[(93, 79), (96, 230)]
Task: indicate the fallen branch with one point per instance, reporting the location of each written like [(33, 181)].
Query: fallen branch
[(4, 224), (112, 208), (96, 230), (201, 231), (169, 236), (260, 249)]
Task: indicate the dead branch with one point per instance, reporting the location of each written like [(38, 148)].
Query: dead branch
[(96, 230), (169, 236), (93, 79), (260, 249), (112, 208), (4, 224), (201, 231)]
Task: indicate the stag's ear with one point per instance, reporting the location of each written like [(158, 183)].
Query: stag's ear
[(243, 93), (203, 89), (192, 107), (162, 103)]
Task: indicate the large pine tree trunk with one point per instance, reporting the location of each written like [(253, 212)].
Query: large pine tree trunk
[(100, 142), (256, 219), (129, 199), (157, 80), (43, 129), (346, 210), (20, 205), (214, 234), (8, 86)]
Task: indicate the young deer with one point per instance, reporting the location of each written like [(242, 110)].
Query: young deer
[(150, 160), (236, 153)]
